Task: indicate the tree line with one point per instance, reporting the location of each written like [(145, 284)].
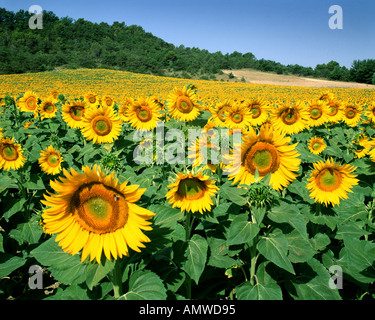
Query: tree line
[(68, 43)]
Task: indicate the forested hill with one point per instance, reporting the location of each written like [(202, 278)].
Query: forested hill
[(67, 43)]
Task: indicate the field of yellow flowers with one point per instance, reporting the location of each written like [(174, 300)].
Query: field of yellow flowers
[(116, 185)]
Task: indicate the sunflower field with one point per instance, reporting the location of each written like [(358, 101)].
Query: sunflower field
[(286, 214)]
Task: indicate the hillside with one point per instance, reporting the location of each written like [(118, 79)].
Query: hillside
[(64, 43)]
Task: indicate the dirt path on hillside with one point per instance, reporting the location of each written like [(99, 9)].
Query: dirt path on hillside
[(252, 76)]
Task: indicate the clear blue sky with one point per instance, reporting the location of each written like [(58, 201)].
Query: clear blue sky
[(287, 31)]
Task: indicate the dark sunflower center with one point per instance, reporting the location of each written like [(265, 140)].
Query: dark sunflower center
[(9, 152), (262, 156), (333, 110), (184, 104), (237, 117), (191, 188), (92, 99), (99, 208), (329, 179), (351, 113), (315, 112), (102, 125), (49, 108), (53, 160), (255, 111), (76, 113), (144, 114), (289, 116), (31, 103)]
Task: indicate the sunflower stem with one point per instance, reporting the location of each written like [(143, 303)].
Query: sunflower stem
[(188, 228), (117, 280), (253, 260)]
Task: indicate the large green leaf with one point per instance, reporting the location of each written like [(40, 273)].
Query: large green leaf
[(9, 263), (274, 247), (242, 230), (97, 271), (233, 194), (196, 256), (30, 232), (145, 285), (265, 287), (64, 267), (300, 248)]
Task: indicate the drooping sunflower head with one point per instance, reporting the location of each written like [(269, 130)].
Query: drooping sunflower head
[(50, 160), (258, 109), (48, 108), (290, 118), (362, 145), (267, 152), (101, 125), (219, 112), (352, 114), (11, 156), (143, 114), (318, 112), (92, 212), (237, 117), (29, 102), (183, 104), (329, 182), (73, 112), (124, 107), (192, 192), (316, 145), (327, 96)]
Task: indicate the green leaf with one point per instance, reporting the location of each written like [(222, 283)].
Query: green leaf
[(166, 216), (265, 288), (13, 206), (64, 267), (97, 271), (242, 230), (300, 248), (9, 263), (196, 256), (233, 194), (7, 182), (27, 232), (360, 258), (274, 247), (219, 253), (287, 213), (35, 182), (313, 283), (145, 285)]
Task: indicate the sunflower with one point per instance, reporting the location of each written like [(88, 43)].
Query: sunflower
[(316, 145), (92, 212), (107, 101), (370, 111), (219, 112), (50, 160), (91, 99), (48, 108), (258, 110), (197, 155), (318, 112), (237, 117), (29, 102), (329, 182), (192, 192), (362, 146), (335, 112), (290, 118), (124, 107), (352, 114), (268, 152), (73, 112), (101, 125), (10, 155), (327, 96), (183, 104), (143, 114)]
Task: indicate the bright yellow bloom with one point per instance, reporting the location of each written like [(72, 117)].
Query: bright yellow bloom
[(73, 113), (329, 182), (50, 161), (92, 212), (192, 192), (316, 145), (29, 102), (183, 105), (11, 156), (143, 114)]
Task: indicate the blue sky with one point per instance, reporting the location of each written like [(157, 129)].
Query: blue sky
[(287, 31)]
